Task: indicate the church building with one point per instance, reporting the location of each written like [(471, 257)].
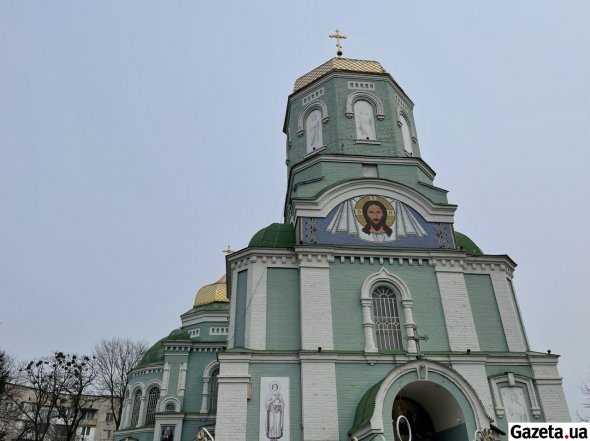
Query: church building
[(364, 316)]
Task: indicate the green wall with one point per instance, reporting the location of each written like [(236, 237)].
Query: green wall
[(283, 318), (352, 381), (488, 323), (346, 280), (240, 319)]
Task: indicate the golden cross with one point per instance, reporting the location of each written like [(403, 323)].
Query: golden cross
[(228, 250), (338, 36)]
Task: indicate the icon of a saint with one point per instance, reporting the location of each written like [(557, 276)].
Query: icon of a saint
[(275, 412)]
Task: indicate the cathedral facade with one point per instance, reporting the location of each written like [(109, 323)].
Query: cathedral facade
[(365, 316)]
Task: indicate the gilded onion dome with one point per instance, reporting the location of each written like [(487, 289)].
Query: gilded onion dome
[(215, 292)]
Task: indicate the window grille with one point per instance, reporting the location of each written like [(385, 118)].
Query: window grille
[(213, 387), (170, 407), (153, 396), (135, 411), (387, 322)]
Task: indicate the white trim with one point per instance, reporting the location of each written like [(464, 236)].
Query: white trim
[(512, 379), (182, 379), (415, 161), (206, 385), (376, 424), (326, 202), (174, 400), (255, 321), (371, 98), (314, 105), (367, 306), (386, 77)]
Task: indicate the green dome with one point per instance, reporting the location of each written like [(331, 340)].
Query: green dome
[(274, 236), (464, 243), (155, 354)]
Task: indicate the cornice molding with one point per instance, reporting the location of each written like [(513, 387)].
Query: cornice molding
[(407, 160), (329, 199)]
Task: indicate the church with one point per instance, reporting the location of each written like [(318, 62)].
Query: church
[(364, 316)]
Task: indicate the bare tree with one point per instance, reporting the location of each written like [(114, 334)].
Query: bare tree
[(7, 378), (585, 388), (114, 359), (51, 395)]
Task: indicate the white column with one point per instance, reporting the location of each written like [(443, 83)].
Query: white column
[(319, 398), (316, 302), (409, 325), (142, 410), (165, 377), (508, 312), (205, 401), (181, 379), (234, 382), (457, 309), (368, 326), (125, 414), (550, 388), (255, 337)]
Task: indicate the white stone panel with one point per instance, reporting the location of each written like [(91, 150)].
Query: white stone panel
[(457, 310), (553, 402), (316, 309), (231, 411), (508, 312), (256, 307), (232, 399), (319, 401), (475, 374)]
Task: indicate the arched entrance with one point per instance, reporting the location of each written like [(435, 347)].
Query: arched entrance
[(428, 412), (428, 395)]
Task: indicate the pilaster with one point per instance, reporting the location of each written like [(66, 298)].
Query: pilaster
[(316, 302), (319, 398), (456, 306)]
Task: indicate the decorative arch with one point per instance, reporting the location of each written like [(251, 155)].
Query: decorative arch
[(314, 105), (169, 400), (132, 388), (207, 374), (384, 276), (409, 138), (366, 96), (152, 383), (329, 199), (379, 398)]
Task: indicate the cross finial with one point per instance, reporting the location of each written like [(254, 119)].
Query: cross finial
[(338, 36), (228, 250), (417, 339)]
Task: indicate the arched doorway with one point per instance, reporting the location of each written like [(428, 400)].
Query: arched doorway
[(428, 412)]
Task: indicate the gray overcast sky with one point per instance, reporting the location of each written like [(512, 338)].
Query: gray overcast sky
[(139, 138)]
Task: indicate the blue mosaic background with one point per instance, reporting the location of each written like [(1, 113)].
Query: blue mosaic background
[(313, 230)]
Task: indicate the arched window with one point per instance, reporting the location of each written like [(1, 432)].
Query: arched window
[(365, 120), (170, 407), (387, 323), (213, 388), (135, 408), (313, 129), (406, 134), (153, 397)]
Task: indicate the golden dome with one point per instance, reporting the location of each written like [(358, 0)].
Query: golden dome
[(338, 64), (215, 292)]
